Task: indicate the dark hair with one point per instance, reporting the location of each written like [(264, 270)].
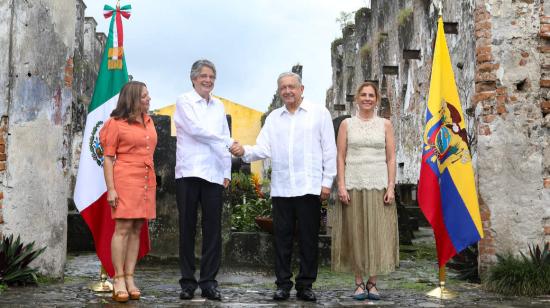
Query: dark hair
[(127, 107), (368, 84)]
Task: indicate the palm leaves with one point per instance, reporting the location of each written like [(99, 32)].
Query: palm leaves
[(15, 257)]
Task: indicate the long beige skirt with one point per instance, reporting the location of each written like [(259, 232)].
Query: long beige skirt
[(365, 239)]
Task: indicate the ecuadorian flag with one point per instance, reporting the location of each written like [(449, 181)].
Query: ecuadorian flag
[(446, 189)]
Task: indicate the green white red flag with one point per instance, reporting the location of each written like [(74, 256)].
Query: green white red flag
[(90, 193)]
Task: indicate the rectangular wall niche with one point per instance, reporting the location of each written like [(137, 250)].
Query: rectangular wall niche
[(410, 54), (450, 27), (349, 98), (375, 81), (390, 70), (339, 107)]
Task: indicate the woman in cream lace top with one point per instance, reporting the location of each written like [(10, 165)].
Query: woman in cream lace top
[(364, 233)]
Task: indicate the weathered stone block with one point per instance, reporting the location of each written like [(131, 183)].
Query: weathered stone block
[(483, 50), (545, 107), (486, 86), (483, 96), (489, 118), (484, 130), (489, 76), (487, 67), (484, 58)]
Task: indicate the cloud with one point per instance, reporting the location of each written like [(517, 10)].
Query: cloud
[(250, 41)]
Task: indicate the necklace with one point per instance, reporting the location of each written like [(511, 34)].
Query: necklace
[(364, 119)]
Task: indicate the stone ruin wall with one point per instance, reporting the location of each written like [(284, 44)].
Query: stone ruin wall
[(48, 67), (501, 62)]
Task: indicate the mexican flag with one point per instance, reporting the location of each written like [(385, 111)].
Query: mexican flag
[(90, 193)]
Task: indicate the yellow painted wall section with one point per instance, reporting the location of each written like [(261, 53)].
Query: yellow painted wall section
[(245, 124)]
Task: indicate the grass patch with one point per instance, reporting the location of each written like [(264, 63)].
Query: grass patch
[(3, 288), (419, 251), (41, 279)]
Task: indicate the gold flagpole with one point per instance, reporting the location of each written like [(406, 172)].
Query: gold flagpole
[(442, 292), (103, 285)]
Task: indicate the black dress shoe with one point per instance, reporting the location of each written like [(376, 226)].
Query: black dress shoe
[(306, 294), (187, 294), (212, 294), (281, 294)]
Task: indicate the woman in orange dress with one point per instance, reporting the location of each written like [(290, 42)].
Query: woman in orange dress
[(129, 139)]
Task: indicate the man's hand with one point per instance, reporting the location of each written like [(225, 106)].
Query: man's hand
[(236, 149), (325, 193), (226, 183)]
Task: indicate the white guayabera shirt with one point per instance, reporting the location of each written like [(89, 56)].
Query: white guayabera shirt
[(302, 149), (203, 138)]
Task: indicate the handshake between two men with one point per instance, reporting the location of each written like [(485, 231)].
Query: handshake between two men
[(236, 149)]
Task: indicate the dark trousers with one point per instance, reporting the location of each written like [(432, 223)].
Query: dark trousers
[(304, 213), (190, 192)]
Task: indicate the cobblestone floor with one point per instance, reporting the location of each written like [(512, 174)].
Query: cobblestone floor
[(406, 287)]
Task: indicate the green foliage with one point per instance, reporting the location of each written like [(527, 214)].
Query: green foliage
[(537, 256), (240, 189), (403, 14), (243, 215), (248, 200), (337, 42), (14, 260), (526, 276), (3, 287), (345, 19), (365, 50)]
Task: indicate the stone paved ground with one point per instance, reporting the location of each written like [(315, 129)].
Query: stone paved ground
[(406, 287)]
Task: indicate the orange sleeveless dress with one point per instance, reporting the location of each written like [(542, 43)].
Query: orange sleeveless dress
[(133, 146)]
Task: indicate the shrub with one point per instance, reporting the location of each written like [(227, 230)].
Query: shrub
[(249, 198), (526, 276), (14, 260), (243, 215), (240, 189)]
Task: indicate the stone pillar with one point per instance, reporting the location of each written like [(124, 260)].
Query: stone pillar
[(513, 160), (36, 96)]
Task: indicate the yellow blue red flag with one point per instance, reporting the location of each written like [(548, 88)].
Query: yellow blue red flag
[(446, 189)]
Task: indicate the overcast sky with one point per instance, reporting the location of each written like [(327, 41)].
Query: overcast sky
[(250, 41)]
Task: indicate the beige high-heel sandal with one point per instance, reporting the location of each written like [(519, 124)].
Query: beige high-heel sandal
[(135, 294), (120, 296)]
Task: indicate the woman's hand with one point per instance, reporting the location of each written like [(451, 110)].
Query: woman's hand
[(112, 198), (343, 195), (389, 196)]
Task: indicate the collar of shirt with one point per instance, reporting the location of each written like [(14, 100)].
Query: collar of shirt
[(304, 105), (199, 99), (146, 118)]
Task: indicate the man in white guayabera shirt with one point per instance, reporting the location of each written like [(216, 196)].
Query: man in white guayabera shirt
[(203, 169), (299, 139)]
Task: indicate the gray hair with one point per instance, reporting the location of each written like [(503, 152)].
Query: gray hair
[(289, 74), (198, 65)]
